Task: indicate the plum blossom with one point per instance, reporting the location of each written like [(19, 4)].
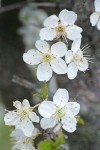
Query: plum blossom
[(23, 142), (62, 26), (59, 111), (47, 58), (22, 118), (76, 60), (95, 16)]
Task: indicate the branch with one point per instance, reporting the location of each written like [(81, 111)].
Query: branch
[(35, 4), (24, 83), (11, 7)]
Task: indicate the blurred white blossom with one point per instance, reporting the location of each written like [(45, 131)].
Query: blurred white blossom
[(76, 60), (22, 118), (95, 16), (47, 58), (62, 26), (22, 142), (59, 110), (31, 19)]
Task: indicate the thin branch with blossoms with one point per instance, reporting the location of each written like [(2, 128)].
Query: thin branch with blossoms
[(52, 116)]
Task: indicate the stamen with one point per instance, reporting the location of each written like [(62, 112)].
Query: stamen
[(85, 46)]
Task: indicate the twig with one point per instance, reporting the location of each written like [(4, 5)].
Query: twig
[(35, 4), (11, 7), (24, 83)]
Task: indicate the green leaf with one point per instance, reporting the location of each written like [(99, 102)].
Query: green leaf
[(51, 145), (44, 145), (44, 91), (59, 140), (80, 120)]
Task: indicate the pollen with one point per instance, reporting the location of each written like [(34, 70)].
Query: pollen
[(47, 58), (60, 29), (60, 113), (81, 59)]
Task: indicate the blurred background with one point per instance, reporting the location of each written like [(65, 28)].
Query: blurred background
[(20, 23)]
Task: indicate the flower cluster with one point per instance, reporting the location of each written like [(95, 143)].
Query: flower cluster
[(56, 57), (49, 58), (58, 111)]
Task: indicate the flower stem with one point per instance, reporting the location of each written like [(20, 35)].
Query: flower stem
[(35, 106)]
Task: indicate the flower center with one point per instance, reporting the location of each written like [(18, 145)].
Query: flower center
[(24, 113), (47, 57), (28, 140), (60, 30), (60, 113), (81, 59), (75, 56)]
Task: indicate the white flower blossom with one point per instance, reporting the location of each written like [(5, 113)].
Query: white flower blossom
[(22, 117), (76, 60), (22, 142), (47, 58), (59, 111), (62, 26), (95, 16)]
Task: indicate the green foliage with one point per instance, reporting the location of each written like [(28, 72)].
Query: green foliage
[(44, 91), (5, 142), (51, 145), (80, 120)]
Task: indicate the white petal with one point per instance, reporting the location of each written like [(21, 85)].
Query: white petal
[(26, 126), (33, 116), (35, 132), (48, 34), (98, 25), (72, 71), (42, 46), (69, 123), (77, 28), (44, 72), (97, 5), (94, 18), (25, 146), (67, 17), (76, 45), (47, 109), (83, 65), (69, 56), (74, 107), (11, 118), (26, 104), (51, 21), (32, 57), (29, 147), (73, 33), (17, 104), (17, 134), (58, 49), (61, 97), (59, 66), (47, 123)]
